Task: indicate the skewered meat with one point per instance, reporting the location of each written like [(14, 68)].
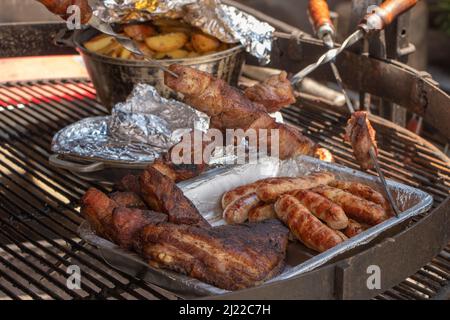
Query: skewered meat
[(271, 189), (231, 257), (261, 213), (214, 97), (128, 200), (97, 208), (361, 190), (162, 194), (355, 207), (305, 226), (361, 135), (322, 208), (274, 93), (354, 228), (59, 7), (231, 109), (127, 223), (237, 211)]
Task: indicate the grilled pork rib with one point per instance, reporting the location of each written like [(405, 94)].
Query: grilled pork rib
[(231, 257)]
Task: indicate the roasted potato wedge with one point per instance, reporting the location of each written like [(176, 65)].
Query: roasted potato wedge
[(167, 42), (139, 32), (204, 43), (99, 42)]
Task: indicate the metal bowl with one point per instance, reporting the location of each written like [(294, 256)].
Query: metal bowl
[(114, 78)]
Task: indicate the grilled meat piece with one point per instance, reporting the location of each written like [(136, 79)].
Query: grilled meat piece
[(274, 93), (214, 97), (128, 200), (162, 194), (59, 7), (261, 213), (361, 135), (271, 189), (305, 226), (361, 190), (322, 208), (231, 109), (129, 183), (127, 223), (355, 207), (98, 209), (231, 257)]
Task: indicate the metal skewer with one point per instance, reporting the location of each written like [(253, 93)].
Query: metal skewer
[(373, 22), (321, 19)]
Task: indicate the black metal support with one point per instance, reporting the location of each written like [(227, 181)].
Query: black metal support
[(31, 39)]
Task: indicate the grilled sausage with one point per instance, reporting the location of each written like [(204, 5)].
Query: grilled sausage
[(305, 226), (361, 190), (262, 212), (237, 211), (322, 208), (239, 192), (354, 228), (271, 189), (355, 207)]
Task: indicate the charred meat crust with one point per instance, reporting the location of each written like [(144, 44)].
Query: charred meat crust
[(231, 256), (162, 194)]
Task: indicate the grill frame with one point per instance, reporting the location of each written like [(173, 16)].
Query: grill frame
[(58, 218), (291, 52)]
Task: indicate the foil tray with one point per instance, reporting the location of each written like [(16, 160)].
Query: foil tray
[(206, 191)]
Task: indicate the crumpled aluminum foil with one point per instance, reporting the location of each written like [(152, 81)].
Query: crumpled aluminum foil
[(226, 23), (138, 130)]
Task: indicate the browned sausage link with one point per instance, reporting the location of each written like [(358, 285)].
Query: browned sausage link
[(332, 214), (355, 207), (59, 7), (237, 211), (319, 12), (354, 228), (261, 213), (361, 190), (271, 189), (305, 226), (239, 192)]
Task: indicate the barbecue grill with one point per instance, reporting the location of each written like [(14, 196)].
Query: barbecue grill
[(39, 213)]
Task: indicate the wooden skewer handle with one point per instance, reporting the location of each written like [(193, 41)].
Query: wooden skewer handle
[(320, 15), (387, 12)]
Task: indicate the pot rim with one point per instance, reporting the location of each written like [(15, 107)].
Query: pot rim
[(167, 62)]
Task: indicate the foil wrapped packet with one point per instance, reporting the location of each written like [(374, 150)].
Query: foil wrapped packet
[(224, 22), (138, 130)]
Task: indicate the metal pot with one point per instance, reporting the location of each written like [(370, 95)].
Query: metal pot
[(114, 78)]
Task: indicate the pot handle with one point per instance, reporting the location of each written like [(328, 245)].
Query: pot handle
[(64, 38), (56, 161)]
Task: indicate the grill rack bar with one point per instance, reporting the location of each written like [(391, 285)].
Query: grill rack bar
[(39, 204)]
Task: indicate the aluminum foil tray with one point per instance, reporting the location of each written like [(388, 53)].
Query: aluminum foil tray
[(206, 191)]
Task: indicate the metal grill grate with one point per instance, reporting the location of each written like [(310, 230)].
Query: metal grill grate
[(39, 204)]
